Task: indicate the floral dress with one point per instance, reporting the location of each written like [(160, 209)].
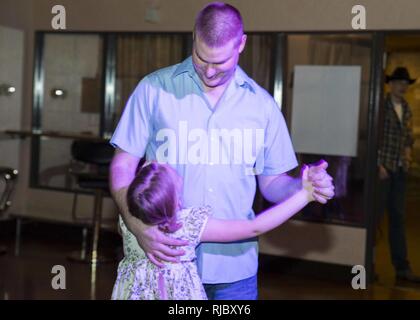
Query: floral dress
[(140, 279)]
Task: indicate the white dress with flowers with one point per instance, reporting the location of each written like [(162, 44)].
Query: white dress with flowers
[(140, 279)]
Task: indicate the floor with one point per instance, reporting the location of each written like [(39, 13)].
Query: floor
[(30, 276)]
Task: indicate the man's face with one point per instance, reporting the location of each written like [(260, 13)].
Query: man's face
[(398, 87), (216, 66)]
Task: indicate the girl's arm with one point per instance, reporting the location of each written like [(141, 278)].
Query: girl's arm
[(217, 230)]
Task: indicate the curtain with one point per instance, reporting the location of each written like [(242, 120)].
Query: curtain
[(139, 55), (257, 58)]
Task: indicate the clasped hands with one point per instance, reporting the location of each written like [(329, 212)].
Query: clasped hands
[(316, 180)]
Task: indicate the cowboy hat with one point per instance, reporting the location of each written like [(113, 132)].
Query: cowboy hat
[(400, 73)]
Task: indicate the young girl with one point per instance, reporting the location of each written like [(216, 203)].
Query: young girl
[(154, 198)]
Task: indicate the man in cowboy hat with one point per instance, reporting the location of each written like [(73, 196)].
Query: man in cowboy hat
[(394, 160)]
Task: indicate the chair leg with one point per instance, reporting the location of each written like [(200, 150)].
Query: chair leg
[(97, 215), (96, 228), (84, 242), (18, 236), (92, 255), (74, 206)]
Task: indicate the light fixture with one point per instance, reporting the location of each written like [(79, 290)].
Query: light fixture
[(7, 90), (58, 93)]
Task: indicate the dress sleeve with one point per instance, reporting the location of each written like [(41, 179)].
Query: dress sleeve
[(195, 222)]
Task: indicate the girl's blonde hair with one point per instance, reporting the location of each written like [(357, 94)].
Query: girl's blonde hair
[(153, 196)]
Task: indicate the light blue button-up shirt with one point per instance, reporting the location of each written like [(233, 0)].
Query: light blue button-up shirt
[(217, 151)]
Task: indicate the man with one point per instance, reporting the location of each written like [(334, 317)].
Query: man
[(207, 102), (394, 161)]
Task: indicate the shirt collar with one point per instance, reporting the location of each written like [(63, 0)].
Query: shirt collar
[(184, 66), (389, 103), (241, 78)]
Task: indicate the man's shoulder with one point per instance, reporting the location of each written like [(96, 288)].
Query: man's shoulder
[(261, 94), (160, 79), (162, 74), (265, 98)]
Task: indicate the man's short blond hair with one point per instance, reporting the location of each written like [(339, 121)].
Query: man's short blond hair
[(218, 23)]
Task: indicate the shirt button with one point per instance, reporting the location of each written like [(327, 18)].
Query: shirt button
[(210, 190)]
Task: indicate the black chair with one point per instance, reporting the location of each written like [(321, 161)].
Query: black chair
[(9, 175), (97, 155)]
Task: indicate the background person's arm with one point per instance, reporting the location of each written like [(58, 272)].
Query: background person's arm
[(409, 141)]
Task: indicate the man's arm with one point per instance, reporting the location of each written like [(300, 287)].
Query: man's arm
[(277, 188), (151, 240), (122, 172)]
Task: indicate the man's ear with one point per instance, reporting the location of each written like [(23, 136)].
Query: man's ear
[(242, 43)]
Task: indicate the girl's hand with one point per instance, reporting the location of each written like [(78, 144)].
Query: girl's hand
[(306, 184)]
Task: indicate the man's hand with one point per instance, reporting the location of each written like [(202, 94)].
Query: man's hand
[(321, 182), (156, 244)]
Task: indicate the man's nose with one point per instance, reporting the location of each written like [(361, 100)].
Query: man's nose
[(210, 71)]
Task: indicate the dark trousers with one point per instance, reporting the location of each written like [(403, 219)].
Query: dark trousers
[(392, 197)]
